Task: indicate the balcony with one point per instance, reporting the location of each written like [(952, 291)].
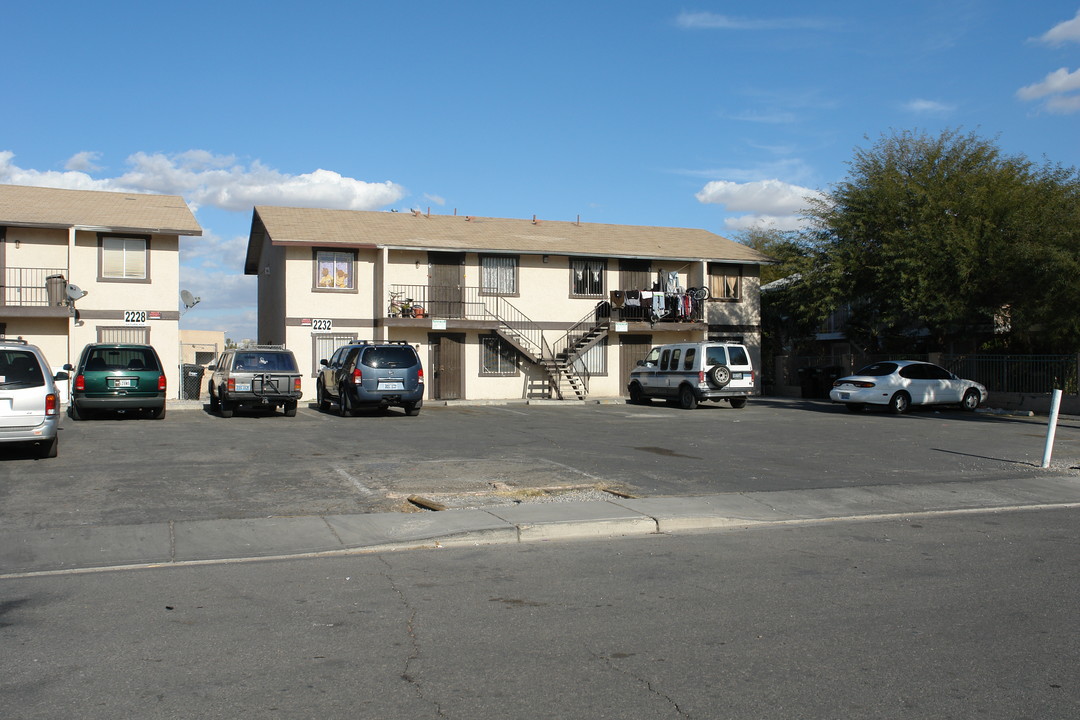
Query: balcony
[(25, 293)]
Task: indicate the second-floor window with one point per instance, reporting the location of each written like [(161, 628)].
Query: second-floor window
[(124, 258), (334, 270), (725, 282), (587, 277), (498, 274)]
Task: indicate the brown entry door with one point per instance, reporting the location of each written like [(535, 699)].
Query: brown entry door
[(446, 285), (446, 367), (631, 349)]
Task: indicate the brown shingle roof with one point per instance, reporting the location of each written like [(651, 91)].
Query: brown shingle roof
[(131, 212), (306, 226)]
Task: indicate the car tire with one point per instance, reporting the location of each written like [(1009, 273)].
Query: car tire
[(971, 400), (412, 409), (687, 398), (737, 402), (900, 403), (289, 408), (226, 407), (345, 408), (49, 449), (637, 395), (718, 376), (157, 413), (320, 398), (214, 403), (73, 410), (855, 407)]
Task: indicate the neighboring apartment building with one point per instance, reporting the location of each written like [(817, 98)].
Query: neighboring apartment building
[(510, 308), (122, 249)]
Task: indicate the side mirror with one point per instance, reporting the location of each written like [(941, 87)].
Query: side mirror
[(641, 363), (62, 375), (211, 367), (69, 366), (324, 362)]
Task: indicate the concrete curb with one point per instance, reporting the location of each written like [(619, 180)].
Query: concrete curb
[(82, 548)]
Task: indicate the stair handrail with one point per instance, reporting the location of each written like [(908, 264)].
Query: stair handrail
[(574, 333)]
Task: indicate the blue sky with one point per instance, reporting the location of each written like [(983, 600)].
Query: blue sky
[(715, 115)]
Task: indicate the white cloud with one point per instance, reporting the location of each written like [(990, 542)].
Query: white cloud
[(922, 106), (219, 181), (767, 197), (1067, 31), (714, 21), (1055, 87), (83, 162), (773, 222)]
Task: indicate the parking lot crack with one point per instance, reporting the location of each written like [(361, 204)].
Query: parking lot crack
[(408, 672), (609, 661)]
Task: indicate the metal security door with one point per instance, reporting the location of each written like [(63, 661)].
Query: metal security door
[(447, 366), (632, 348), (446, 285)]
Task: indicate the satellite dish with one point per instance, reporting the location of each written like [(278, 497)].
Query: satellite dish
[(74, 292), (188, 299)]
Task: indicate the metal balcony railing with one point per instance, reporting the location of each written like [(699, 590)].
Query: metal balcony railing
[(25, 286)]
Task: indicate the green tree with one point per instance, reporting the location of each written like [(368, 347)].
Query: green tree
[(949, 235)]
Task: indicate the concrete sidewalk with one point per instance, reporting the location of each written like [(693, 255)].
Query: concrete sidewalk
[(68, 549)]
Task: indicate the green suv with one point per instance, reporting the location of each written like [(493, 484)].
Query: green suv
[(117, 378)]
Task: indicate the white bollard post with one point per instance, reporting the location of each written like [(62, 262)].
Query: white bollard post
[(1051, 428)]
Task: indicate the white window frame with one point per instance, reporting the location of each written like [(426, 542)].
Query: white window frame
[(124, 258), (498, 275)]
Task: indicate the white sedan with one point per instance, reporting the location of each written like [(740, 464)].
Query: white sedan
[(900, 384)]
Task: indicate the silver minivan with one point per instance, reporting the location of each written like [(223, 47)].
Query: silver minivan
[(29, 402), (688, 373)]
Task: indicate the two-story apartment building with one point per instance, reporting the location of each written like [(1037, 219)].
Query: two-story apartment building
[(121, 249), (499, 308)]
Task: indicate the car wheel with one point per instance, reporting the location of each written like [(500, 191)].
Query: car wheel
[(320, 396), (719, 376), (345, 407), (687, 398), (226, 407), (900, 403), (971, 400), (855, 407), (290, 409), (157, 413), (737, 403), (214, 404), (412, 409), (637, 396), (73, 410), (48, 450)]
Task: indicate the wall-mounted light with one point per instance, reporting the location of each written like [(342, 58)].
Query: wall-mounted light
[(16, 244), (417, 264), (545, 258)]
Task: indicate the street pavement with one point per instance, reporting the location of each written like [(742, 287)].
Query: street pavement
[(60, 549)]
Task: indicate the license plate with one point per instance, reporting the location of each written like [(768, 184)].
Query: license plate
[(845, 396), (391, 386), (123, 383), (243, 387), (736, 376)]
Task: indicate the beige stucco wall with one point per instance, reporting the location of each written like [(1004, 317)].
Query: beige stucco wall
[(62, 338)]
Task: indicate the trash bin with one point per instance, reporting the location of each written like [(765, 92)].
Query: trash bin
[(56, 289), (829, 375), (191, 380), (807, 381)]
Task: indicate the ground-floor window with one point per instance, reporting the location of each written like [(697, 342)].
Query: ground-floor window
[(324, 346), (123, 335), (594, 360), (497, 356)]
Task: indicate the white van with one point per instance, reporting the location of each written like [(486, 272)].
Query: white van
[(691, 372), (29, 402)]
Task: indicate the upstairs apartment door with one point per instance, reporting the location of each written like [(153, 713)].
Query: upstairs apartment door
[(635, 275), (446, 285)]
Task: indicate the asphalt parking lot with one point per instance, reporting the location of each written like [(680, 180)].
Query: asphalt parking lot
[(197, 466)]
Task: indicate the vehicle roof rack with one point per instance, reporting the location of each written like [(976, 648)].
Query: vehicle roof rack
[(261, 347), (14, 341)]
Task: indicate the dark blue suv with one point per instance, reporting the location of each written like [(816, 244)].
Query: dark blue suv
[(372, 375)]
